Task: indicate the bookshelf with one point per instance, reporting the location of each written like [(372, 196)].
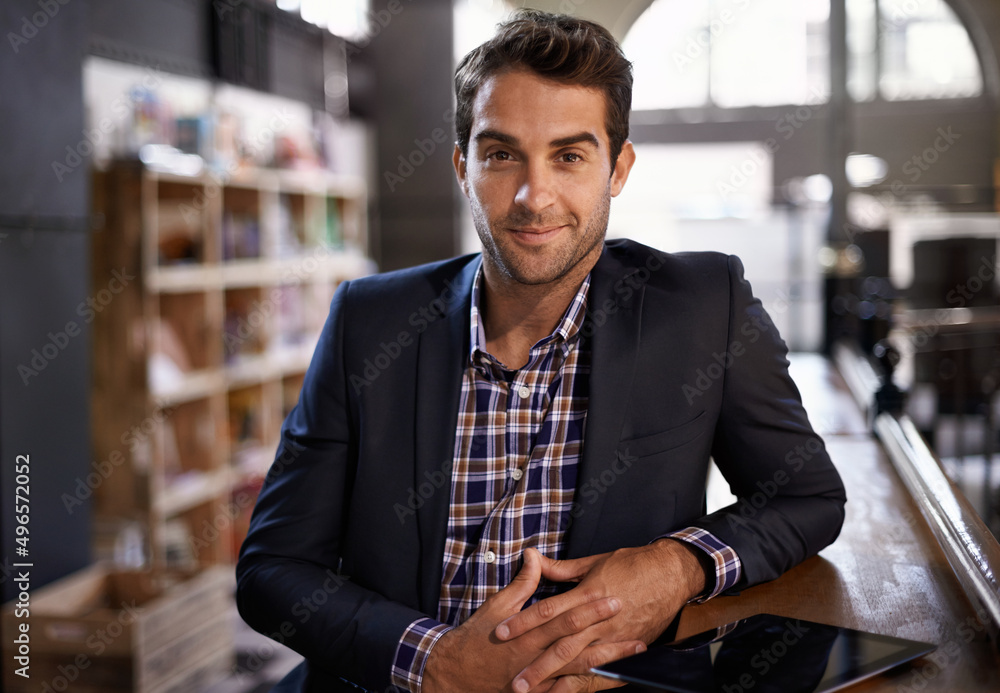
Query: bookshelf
[(201, 352)]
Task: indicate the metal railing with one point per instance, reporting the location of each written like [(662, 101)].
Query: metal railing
[(970, 548)]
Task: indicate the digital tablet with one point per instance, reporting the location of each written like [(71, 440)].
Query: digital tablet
[(766, 654)]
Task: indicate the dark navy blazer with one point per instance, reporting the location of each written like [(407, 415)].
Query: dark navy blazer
[(346, 541)]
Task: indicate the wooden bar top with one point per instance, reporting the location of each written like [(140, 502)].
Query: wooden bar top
[(886, 572)]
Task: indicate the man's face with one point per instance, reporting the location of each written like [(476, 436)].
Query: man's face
[(538, 177)]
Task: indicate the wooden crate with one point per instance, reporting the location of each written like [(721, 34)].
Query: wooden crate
[(101, 630)]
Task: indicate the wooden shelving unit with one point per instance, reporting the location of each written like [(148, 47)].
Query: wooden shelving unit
[(201, 353)]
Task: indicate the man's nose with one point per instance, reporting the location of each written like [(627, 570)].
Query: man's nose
[(537, 190)]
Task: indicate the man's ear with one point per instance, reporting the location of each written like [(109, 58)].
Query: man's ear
[(622, 168), (458, 161)]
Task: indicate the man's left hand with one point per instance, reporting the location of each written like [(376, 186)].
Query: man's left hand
[(652, 583)]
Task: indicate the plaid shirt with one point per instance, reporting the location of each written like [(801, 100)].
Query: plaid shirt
[(518, 445)]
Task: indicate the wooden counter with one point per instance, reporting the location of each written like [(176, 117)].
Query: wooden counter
[(886, 573)]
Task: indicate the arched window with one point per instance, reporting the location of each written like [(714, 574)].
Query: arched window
[(729, 53), (737, 53), (925, 52)]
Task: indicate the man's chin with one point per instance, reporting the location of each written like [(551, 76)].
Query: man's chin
[(538, 274)]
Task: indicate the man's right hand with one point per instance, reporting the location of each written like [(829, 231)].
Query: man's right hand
[(471, 658)]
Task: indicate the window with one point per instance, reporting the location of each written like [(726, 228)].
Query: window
[(730, 53), (738, 53), (475, 22), (350, 19), (926, 53)]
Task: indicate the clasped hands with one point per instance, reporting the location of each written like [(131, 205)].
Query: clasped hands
[(622, 602)]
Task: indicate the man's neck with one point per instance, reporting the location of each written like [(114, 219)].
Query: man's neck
[(516, 316)]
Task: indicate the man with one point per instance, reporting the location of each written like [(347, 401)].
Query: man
[(532, 426)]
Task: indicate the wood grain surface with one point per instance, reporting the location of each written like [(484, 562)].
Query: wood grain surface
[(885, 573)]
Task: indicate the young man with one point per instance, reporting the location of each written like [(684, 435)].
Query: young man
[(532, 426)]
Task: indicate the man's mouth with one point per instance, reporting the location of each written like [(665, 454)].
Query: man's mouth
[(536, 234)]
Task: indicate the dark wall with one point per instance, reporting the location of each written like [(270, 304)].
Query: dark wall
[(44, 275), (177, 36), (174, 35), (413, 65)]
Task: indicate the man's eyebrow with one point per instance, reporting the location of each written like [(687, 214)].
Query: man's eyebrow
[(496, 135), (586, 137), (504, 138)]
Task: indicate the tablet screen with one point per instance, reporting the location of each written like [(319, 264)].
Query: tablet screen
[(766, 654)]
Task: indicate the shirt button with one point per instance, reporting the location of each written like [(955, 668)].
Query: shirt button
[(489, 557), (517, 474), (524, 392)]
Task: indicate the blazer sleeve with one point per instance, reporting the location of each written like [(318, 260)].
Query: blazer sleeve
[(288, 581), (790, 498)]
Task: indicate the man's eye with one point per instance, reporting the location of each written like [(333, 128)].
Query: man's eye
[(499, 156), (572, 157)]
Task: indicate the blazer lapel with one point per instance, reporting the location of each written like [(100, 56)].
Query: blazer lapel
[(614, 346), (443, 349)]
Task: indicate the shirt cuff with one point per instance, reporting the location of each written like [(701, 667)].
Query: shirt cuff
[(412, 652), (728, 568)]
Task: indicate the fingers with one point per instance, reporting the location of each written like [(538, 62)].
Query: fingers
[(544, 611), (564, 660), (547, 609), (524, 584), (572, 570)]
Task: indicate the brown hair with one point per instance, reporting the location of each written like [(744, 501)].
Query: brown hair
[(557, 47)]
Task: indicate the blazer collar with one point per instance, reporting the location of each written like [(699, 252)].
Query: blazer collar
[(442, 357)]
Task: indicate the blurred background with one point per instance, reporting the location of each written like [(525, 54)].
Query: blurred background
[(185, 182)]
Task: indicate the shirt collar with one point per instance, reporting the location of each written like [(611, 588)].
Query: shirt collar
[(566, 334)]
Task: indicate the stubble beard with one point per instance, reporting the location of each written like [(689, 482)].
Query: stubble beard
[(509, 261)]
